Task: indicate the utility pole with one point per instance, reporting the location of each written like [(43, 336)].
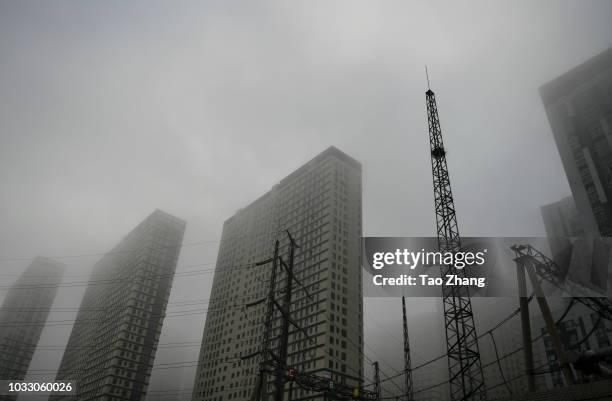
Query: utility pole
[(271, 362), (377, 388), (542, 268), (285, 309), (409, 388), (465, 370), (568, 375), (526, 263), (261, 386), (526, 328)]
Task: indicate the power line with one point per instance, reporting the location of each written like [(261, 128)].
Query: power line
[(369, 360), (92, 274), (83, 255), (120, 279), (589, 334), (446, 381), (501, 371), (495, 327), (173, 313), (498, 358), (182, 245), (221, 269)]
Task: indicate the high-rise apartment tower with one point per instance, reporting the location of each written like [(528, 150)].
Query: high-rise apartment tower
[(112, 346), (320, 205), (23, 315), (579, 108)]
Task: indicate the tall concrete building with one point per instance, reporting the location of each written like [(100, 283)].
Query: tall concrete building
[(561, 220), (579, 108), (23, 315), (112, 346), (320, 205)]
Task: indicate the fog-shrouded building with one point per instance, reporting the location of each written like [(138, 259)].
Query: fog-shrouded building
[(112, 346), (23, 315), (320, 205), (585, 256), (562, 222), (579, 109)]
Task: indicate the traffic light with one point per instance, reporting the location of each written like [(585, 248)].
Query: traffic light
[(356, 393), (291, 373)]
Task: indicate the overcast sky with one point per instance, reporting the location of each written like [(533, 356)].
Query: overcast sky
[(111, 109)]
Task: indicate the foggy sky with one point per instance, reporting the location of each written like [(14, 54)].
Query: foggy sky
[(111, 109)]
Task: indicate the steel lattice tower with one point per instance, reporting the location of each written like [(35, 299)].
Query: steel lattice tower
[(408, 383), (465, 371)]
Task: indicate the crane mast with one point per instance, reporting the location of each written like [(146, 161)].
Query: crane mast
[(465, 370)]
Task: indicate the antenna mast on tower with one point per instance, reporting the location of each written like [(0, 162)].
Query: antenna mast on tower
[(465, 370)]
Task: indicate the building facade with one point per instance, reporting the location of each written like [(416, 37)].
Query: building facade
[(562, 223), (585, 258), (112, 345), (320, 205), (579, 109), (23, 315)]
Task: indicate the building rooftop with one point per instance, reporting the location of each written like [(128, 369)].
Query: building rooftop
[(330, 151), (573, 78)]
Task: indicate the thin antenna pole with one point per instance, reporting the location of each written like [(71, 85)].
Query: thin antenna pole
[(377, 389), (407, 362), (427, 75)]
